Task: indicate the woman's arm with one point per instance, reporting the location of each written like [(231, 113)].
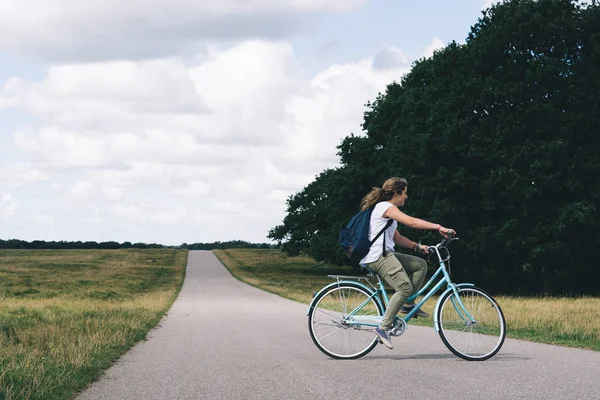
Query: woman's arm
[(416, 223), (403, 241)]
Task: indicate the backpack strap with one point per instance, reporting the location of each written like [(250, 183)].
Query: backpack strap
[(387, 225)]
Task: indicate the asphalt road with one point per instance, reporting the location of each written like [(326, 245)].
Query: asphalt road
[(223, 339)]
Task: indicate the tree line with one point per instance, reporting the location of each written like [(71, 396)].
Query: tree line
[(111, 245), (498, 138), (232, 244)]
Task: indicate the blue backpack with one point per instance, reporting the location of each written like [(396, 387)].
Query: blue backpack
[(354, 238)]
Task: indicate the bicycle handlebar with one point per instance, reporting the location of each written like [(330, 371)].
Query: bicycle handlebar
[(443, 243), (436, 249)]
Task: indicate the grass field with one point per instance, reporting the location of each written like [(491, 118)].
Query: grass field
[(571, 322), (66, 315)]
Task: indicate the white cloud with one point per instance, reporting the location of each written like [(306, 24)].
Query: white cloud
[(6, 102), (193, 188), (436, 44), (169, 217), (8, 205), (21, 173), (68, 149), (111, 29), (45, 219), (83, 190), (144, 212), (129, 213), (331, 107), (112, 192), (129, 156), (390, 57), (106, 94), (58, 148)]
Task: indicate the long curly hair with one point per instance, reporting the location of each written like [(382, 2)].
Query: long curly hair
[(385, 192)]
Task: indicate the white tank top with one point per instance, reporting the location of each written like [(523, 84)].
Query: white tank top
[(376, 224)]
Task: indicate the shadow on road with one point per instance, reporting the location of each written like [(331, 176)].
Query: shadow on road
[(438, 356)]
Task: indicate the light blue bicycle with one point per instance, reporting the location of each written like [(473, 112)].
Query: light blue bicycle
[(342, 315)]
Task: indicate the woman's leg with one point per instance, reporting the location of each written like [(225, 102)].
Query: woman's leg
[(416, 269), (392, 271)]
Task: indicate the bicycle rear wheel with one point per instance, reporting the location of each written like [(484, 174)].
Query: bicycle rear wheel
[(475, 340), (336, 334)]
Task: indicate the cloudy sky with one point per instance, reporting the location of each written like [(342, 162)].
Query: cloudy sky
[(191, 120)]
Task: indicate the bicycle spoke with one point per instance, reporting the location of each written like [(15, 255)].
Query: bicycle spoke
[(325, 324), (325, 312), (348, 339), (477, 340), (329, 334)]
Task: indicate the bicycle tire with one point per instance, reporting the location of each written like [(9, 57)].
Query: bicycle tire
[(501, 320), (311, 323)]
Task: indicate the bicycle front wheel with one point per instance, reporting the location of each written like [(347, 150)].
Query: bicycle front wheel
[(334, 331), (475, 339)]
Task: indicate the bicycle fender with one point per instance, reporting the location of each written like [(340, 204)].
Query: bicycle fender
[(437, 305), (334, 284)]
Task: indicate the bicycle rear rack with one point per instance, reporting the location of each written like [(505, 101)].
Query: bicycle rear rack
[(359, 278), (340, 278)]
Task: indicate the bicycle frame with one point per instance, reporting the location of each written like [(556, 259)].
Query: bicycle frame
[(352, 319)]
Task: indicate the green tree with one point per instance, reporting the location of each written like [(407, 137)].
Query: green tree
[(498, 138), (318, 213)]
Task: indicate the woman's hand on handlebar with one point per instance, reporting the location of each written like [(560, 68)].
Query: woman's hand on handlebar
[(422, 249), (446, 232)]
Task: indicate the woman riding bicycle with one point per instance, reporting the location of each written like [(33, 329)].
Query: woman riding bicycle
[(403, 272)]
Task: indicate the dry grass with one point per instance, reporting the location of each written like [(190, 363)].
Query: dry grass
[(290, 277), (571, 322), (66, 315), (564, 321)]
